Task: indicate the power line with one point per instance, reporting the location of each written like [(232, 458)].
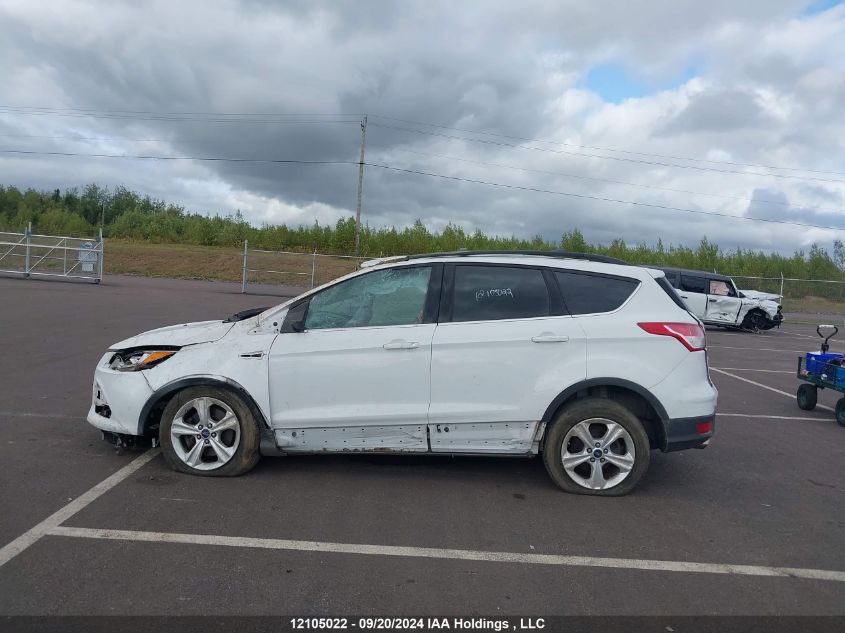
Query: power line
[(220, 159), (603, 199), (615, 182), (464, 160), (616, 158), (608, 149), (249, 117), (433, 175)]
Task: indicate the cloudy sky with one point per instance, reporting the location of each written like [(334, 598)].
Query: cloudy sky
[(721, 107)]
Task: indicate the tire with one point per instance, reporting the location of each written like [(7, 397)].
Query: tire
[(754, 321), (807, 397), (840, 412), (569, 425), (233, 452)]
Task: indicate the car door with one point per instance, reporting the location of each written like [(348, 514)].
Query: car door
[(693, 291), (723, 304), (503, 350), (351, 368)]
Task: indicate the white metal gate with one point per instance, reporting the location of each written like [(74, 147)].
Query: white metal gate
[(31, 255)]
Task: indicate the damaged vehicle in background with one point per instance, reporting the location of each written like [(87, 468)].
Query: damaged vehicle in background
[(715, 300), (584, 360)]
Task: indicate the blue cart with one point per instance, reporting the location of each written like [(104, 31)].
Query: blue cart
[(822, 370)]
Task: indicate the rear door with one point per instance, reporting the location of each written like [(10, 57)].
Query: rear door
[(693, 291), (503, 350)]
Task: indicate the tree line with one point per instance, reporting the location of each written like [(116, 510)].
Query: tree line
[(126, 214)]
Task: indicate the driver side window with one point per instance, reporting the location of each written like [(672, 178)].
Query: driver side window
[(395, 296)]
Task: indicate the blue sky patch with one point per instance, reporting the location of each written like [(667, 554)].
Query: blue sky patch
[(615, 84), (819, 6)]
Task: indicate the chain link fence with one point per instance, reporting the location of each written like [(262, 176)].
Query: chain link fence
[(799, 295), (295, 269)]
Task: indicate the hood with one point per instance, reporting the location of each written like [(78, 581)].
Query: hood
[(178, 335), (762, 296)]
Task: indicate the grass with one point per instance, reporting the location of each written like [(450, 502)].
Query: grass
[(221, 263)]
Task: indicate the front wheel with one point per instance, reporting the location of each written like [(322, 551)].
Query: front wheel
[(596, 447), (840, 412), (807, 397), (209, 431)]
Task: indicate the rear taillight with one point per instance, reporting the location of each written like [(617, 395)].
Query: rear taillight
[(691, 335)]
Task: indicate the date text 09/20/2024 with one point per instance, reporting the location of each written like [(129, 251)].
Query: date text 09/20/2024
[(417, 624)]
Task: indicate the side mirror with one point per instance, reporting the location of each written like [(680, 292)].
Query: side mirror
[(298, 326)]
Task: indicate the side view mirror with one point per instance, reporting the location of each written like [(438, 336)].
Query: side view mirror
[(298, 326)]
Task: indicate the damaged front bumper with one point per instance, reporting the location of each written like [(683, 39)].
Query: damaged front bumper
[(117, 399)]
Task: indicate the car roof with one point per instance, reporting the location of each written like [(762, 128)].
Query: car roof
[(703, 273), (550, 259)]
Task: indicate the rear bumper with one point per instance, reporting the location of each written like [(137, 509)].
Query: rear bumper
[(684, 433)]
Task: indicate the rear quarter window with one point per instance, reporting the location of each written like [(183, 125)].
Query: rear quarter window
[(588, 294)]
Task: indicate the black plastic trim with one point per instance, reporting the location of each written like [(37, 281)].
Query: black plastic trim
[(681, 433), (557, 253), (198, 381)]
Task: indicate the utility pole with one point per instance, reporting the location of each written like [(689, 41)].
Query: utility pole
[(360, 186)]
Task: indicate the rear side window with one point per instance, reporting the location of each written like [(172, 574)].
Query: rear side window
[(589, 294), (673, 295), (672, 276), (491, 293), (690, 283)]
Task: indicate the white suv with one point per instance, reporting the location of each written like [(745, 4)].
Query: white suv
[(581, 358)]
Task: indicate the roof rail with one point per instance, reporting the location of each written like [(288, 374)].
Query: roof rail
[(558, 253)]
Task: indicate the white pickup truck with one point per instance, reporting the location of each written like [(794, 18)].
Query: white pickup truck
[(716, 300)]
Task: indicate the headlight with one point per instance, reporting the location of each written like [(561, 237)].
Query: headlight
[(138, 360)]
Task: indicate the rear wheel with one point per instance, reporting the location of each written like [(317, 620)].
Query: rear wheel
[(840, 412), (807, 397), (596, 447), (209, 431)]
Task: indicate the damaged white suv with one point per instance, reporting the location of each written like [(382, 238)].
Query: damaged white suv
[(716, 300), (586, 360)]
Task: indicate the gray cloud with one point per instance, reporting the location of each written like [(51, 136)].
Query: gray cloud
[(507, 68)]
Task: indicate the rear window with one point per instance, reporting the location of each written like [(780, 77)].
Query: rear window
[(589, 294), (490, 293), (690, 283)]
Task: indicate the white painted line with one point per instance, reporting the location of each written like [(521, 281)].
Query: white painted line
[(765, 417), (449, 554), (769, 371), (757, 384), (27, 414), (10, 550), (768, 349)]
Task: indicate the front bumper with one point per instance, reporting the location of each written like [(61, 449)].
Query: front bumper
[(684, 433), (117, 399)]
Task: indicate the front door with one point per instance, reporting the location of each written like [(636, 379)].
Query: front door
[(722, 303), (356, 376)]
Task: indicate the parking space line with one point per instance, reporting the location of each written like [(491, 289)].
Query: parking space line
[(450, 554), (768, 371), (765, 349), (765, 417), (10, 550), (51, 416), (758, 384)]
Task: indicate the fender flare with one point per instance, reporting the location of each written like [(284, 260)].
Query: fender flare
[(570, 391), (170, 388)]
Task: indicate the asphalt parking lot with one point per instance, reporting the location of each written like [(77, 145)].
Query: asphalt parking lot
[(706, 532)]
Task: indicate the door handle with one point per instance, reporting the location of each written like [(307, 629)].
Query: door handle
[(684, 297), (712, 300), (401, 344), (549, 338)]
